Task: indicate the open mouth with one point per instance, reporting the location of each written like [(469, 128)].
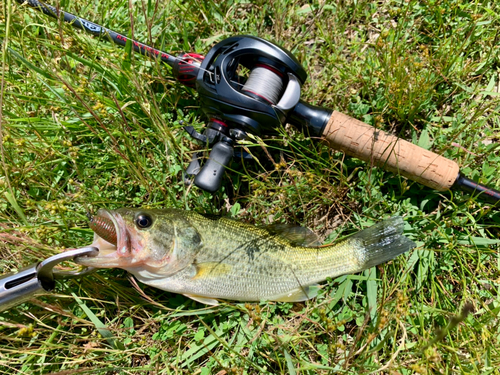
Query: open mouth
[(110, 234)]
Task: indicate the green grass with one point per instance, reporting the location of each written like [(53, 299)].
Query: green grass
[(85, 126)]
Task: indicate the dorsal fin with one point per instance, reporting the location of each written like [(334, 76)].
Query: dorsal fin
[(297, 235), (213, 217)]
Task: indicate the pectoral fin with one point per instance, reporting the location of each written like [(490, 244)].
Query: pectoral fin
[(211, 270), (298, 295), (208, 271), (205, 300)]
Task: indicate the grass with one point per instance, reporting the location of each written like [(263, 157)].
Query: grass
[(86, 126)]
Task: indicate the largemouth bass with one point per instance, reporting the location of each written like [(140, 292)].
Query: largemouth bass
[(208, 258)]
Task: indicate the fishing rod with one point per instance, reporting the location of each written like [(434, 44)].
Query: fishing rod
[(181, 65), (269, 98)]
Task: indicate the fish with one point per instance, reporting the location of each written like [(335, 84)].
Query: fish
[(210, 258)]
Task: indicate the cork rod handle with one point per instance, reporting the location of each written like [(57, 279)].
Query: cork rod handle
[(379, 148)]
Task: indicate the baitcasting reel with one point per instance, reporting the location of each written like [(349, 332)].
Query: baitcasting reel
[(268, 97)]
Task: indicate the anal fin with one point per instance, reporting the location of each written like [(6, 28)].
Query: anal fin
[(204, 300), (298, 294)]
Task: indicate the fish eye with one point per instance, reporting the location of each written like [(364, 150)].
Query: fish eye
[(143, 221)]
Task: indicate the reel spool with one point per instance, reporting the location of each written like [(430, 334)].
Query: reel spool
[(265, 83)]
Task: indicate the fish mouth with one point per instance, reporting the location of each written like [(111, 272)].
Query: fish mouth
[(111, 255)]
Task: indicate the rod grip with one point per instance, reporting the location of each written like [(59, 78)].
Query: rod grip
[(385, 150)]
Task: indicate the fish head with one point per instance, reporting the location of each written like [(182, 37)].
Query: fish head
[(162, 241)]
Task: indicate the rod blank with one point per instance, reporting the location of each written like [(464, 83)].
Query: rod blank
[(97, 30)]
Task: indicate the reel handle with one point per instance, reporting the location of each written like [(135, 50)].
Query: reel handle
[(209, 177), (385, 150)]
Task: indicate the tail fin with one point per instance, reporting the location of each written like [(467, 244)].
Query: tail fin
[(382, 242)]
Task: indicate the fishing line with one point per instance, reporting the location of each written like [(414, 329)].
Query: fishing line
[(265, 83)]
